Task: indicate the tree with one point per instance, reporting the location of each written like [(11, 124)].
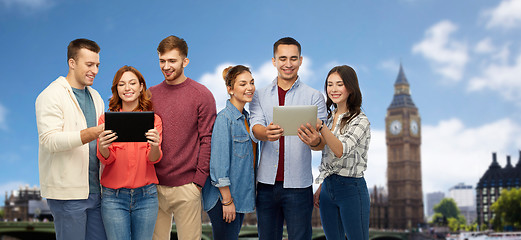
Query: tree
[(448, 208), (508, 209)]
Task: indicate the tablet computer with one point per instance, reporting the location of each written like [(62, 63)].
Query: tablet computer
[(290, 118), (129, 126)]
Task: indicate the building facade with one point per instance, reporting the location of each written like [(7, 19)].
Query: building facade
[(26, 204), (465, 198), (433, 199), (403, 140), (491, 184), (379, 214)]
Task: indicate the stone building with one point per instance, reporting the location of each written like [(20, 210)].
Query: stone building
[(25, 204), (403, 140), (490, 185)]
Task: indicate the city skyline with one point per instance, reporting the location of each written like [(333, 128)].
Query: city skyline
[(461, 60)]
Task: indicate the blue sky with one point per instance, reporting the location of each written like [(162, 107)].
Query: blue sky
[(462, 60)]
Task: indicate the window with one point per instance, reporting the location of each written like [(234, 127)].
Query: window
[(485, 209), (492, 199), (492, 191), (484, 200), (484, 191)]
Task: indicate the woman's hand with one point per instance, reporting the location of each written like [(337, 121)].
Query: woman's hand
[(105, 140), (153, 137), (229, 213), (309, 135)]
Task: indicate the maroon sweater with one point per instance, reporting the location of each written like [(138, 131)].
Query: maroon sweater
[(188, 112)]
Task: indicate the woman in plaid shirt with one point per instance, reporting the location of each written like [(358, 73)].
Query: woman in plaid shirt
[(344, 139)]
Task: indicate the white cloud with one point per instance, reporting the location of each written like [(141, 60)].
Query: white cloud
[(501, 77), (31, 5), (215, 83), (485, 46), (448, 56), (376, 173), (507, 15), (453, 153), (3, 117), (389, 65)]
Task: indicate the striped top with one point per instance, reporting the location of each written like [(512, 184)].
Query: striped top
[(355, 138)]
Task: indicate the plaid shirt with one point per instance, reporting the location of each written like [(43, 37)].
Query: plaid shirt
[(355, 138)]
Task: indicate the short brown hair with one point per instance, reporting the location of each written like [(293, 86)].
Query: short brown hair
[(172, 42), (287, 41), (76, 45)]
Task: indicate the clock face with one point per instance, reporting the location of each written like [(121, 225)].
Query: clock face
[(414, 127), (395, 127)]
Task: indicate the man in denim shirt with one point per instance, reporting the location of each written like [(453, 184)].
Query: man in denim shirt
[(284, 190)]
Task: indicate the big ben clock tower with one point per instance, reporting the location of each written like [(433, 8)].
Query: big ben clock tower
[(403, 139)]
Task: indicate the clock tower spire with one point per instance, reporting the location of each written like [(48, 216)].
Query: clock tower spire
[(403, 139)]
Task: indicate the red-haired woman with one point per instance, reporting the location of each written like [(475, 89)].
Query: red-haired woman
[(129, 204)]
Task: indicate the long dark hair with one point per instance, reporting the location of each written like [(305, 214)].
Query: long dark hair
[(354, 101)]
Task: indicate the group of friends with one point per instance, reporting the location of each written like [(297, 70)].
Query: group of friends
[(227, 164)]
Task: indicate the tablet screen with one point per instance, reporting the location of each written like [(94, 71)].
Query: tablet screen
[(129, 126), (290, 118)]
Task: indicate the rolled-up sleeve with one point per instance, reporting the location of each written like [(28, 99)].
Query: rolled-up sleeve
[(221, 152)]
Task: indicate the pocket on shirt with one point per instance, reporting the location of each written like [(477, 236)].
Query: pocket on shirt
[(241, 145)]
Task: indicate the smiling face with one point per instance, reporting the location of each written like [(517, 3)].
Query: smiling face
[(83, 69), (287, 60), (129, 90), (172, 65), (243, 88), (336, 90)]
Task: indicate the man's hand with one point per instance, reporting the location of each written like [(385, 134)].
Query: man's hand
[(90, 134), (274, 132)]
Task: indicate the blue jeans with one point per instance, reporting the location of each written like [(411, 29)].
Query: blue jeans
[(222, 230), (276, 203), (344, 208), (78, 219), (129, 213)]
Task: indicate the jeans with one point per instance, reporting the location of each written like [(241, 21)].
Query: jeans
[(78, 219), (129, 213), (222, 230), (344, 208), (276, 203)]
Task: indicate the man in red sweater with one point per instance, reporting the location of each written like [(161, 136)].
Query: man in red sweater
[(188, 111)]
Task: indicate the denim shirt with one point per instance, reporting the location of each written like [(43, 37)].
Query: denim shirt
[(297, 155), (231, 161)]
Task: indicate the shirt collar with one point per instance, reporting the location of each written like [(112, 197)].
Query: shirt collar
[(234, 111), (295, 84)]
